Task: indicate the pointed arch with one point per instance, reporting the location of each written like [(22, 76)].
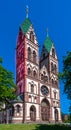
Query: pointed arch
[(56, 114), (32, 113), (32, 88), (29, 53), (34, 56), (45, 110), (52, 66), (29, 71), (18, 108), (32, 36), (53, 52)]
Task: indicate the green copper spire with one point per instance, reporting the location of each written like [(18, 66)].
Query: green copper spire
[(48, 44), (27, 23)]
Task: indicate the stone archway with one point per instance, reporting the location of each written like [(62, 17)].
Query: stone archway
[(32, 113), (45, 110)]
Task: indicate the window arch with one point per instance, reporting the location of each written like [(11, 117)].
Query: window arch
[(31, 36), (18, 108), (29, 72), (32, 88), (55, 68), (56, 84), (56, 114), (52, 82), (34, 56), (34, 73), (29, 53), (53, 52), (51, 66), (45, 78), (41, 76), (55, 95), (32, 113)]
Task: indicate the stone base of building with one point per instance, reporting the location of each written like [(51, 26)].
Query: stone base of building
[(36, 122)]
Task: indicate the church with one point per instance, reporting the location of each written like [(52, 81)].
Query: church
[(38, 92)]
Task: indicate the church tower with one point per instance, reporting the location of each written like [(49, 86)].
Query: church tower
[(27, 70), (49, 84)]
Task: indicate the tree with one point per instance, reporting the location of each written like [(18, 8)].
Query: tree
[(65, 76), (7, 86)]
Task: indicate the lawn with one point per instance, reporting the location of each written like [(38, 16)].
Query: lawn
[(33, 127)]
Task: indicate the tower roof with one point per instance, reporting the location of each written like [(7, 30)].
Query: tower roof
[(26, 25), (48, 43)]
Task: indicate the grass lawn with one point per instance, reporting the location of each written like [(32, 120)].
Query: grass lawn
[(33, 127)]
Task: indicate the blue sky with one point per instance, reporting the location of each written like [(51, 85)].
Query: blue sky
[(52, 14)]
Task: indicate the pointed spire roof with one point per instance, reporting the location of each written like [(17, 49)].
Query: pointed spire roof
[(26, 25), (48, 43)]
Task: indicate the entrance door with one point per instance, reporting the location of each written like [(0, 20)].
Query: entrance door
[(45, 110), (33, 113)]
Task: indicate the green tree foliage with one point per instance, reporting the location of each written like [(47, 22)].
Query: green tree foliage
[(7, 86), (65, 76)]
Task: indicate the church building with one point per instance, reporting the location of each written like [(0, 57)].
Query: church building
[(38, 92)]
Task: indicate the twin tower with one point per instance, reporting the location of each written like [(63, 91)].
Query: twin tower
[(38, 96), (36, 79)]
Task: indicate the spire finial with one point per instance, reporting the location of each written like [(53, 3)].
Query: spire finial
[(27, 11), (47, 32)]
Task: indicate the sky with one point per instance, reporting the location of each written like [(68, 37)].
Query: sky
[(54, 15)]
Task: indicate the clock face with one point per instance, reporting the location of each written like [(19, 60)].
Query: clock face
[(44, 90)]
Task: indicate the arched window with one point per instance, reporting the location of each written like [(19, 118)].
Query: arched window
[(52, 82), (32, 88), (51, 66), (29, 53), (31, 36), (34, 74), (34, 56), (29, 72), (53, 52), (45, 79), (56, 84), (18, 108), (54, 95), (42, 77), (56, 114), (55, 68), (32, 113)]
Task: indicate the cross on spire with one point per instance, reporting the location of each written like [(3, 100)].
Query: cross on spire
[(47, 32), (27, 11)]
